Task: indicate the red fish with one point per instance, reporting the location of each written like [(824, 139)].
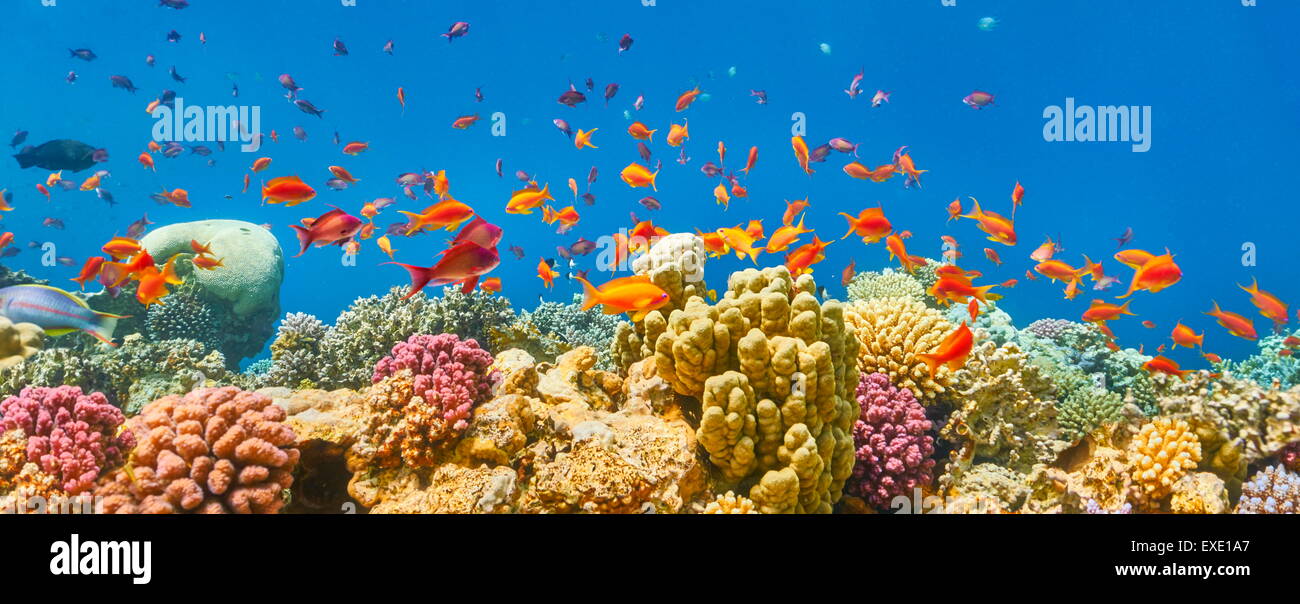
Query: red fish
[(952, 352), (334, 226), (463, 263)]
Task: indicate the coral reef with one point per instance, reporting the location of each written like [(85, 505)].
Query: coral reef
[(869, 285), (1267, 367), (893, 445), (1067, 350), (9, 277), (183, 317), (892, 331), (1163, 451), (676, 264), (730, 503), (559, 328), (214, 450), (71, 435), (295, 352), (18, 341), (253, 263), (1273, 490), (773, 370)]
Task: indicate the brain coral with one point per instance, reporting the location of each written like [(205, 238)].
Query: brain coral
[(773, 371), (430, 385), (214, 450), (1273, 490), (70, 435), (892, 440), (253, 262), (18, 341), (1004, 408), (1162, 452), (892, 331)]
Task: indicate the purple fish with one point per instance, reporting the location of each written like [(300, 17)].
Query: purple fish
[(173, 36), (457, 29), (300, 133), (710, 170), (286, 80), (72, 77), (517, 251), (53, 309), (168, 98), (85, 54), (122, 82), (643, 150), (610, 90), (591, 177), (337, 184), (388, 47), (172, 149), (855, 87), (137, 228), (844, 146), (564, 127), (819, 154), (498, 167), (1104, 282), (1126, 237), (522, 176), (978, 99), (149, 60), (99, 155), (588, 198), (761, 94), (624, 43), (176, 4), (564, 252), (572, 97), (591, 84), (19, 137), (53, 223), (640, 102), (10, 252), (175, 74), (340, 49), (478, 95), (306, 107), (202, 150), (682, 158), (650, 203)]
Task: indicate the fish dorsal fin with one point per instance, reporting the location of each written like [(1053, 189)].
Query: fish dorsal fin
[(624, 281), (78, 301)]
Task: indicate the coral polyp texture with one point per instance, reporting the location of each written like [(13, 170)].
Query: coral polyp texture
[(892, 440), (213, 450), (1162, 452), (70, 435), (892, 331), (1273, 490)]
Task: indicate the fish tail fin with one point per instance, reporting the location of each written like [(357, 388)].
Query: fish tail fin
[(420, 276), (103, 330), (1124, 308), (653, 176), (1216, 310), (590, 295), (1254, 286), (467, 285), (981, 293), (932, 361), (304, 238)]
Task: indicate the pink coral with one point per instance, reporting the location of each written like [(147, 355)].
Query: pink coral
[(70, 435), (450, 375), (215, 450), (892, 442), (1290, 456)]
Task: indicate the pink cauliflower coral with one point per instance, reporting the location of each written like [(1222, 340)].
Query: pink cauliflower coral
[(70, 435), (892, 442), (214, 450), (451, 375)]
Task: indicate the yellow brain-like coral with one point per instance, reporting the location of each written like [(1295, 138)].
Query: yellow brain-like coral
[(1162, 452), (892, 331), (773, 370), (18, 341)]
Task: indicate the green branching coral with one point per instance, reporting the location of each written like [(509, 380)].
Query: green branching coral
[(1085, 409), (1267, 366), (885, 284), (130, 375), (1060, 346), (559, 328), (367, 331)]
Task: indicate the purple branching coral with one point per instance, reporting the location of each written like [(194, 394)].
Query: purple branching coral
[(1049, 328), (70, 435), (891, 441), (450, 375)]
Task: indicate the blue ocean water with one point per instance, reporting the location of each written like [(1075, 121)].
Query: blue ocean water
[(1216, 76)]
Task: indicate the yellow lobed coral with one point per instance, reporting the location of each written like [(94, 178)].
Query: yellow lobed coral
[(1004, 408), (1162, 452), (773, 370), (892, 331), (730, 503), (676, 264), (18, 341)]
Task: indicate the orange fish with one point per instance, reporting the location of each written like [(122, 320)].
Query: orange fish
[(1101, 311), (1158, 273), (846, 277), (524, 201), (147, 161), (447, 214), (1167, 366), (1072, 289), (801, 153), (491, 285), (1268, 304), (369, 210), (1009, 283), (906, 167), (992, 255), (1149, 324), (121, 248), (152, 287), (567, 216), (974, 309), (342, 174), (714, 243), (89, 270), (1134, 258), (385, 245), (639, 131), (289, 190), (792, 209), (636, 175), (687, 98), (1059, 271), (1044, 252), (1236, 324), (154, 147), (1017, 195), (785, 236), (441, 184), (952, 352), (546, 273), (465, 121), (894, 243), (740, 242), (800, 260), (635, 294), (583, 138), (1030, 276), (1184, 336), (261, 163), (721, 197), (999, 228), (753, 159), (954, 210), (355, 148), (870, 224), (44, 191), (739, 191), (1291, 341), (206, 262), (960, 290), (179, 197), (677, 134), (90, 183), (1211, 357), (401, 98), (755, 229)]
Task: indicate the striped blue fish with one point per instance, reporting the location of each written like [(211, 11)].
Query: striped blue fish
[(56, 311)]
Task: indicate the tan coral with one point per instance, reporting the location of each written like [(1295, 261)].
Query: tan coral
[(18, 341), (892, 331), (773, 370), (1162, 452), (730, 503), (1199, 493), (676, 264), (1004, 408), (574, 378)]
